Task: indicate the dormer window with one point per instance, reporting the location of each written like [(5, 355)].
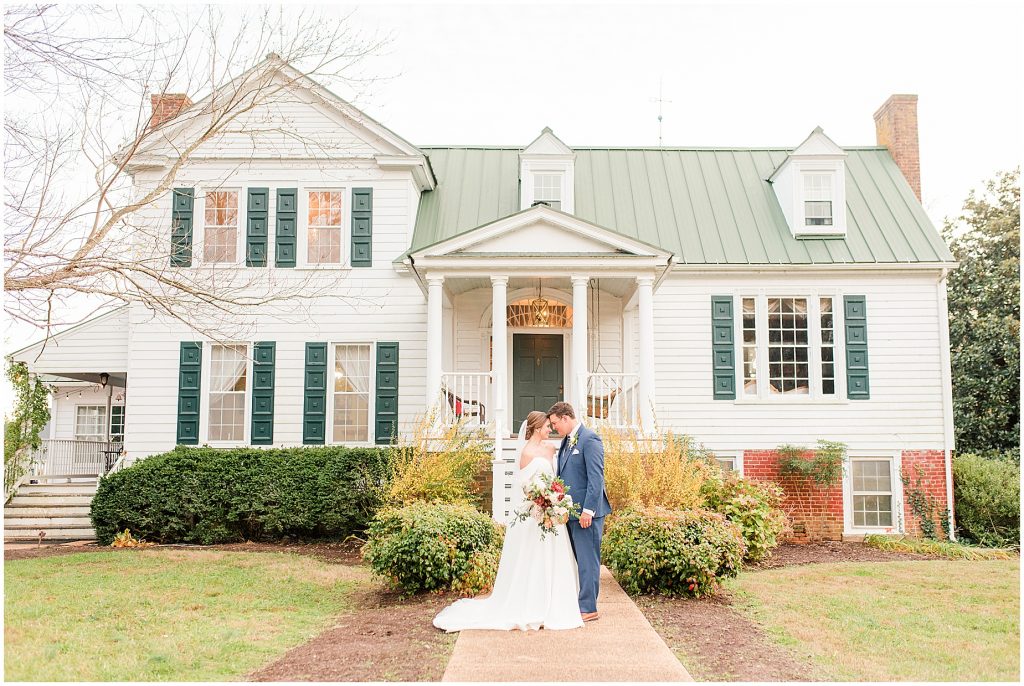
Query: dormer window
[(810, 187), (546, 173), (547, 188), (817, 199)]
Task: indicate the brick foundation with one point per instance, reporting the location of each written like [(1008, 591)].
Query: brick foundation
[(816, 513)]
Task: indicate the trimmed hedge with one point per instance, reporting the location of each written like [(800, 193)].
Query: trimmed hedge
[(435, 546), (986, 495), (209, 495), (672, 552)]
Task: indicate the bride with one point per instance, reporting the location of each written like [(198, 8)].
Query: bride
[(537, 584)]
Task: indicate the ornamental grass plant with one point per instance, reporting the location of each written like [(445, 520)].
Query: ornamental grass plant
[(437, 462), (665, 470)]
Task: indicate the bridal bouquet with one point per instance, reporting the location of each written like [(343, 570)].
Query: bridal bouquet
[(547, 502)]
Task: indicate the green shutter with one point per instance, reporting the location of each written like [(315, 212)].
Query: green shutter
[(181, 227), (190, 363), (362, 227), (722, 348), (256, 228), (387, 392), (855, 316), (314, 408), (264, 354), (284, 247)]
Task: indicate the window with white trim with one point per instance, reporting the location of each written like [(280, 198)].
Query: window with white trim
[(817, 199), (90, 423), (872, 491), (728, 463), (220, 227), (548, 188), (117, 423), (325, 222), (228, 382), (351, 394), (788, 346)]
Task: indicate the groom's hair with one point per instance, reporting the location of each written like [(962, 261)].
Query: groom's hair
[(562, 409)]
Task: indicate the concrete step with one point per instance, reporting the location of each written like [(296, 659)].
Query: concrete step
[(85, 488), (63, 478), (17, 533), (70, 522), (50, 500), (45, 510)]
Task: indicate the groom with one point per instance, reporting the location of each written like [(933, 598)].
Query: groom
[(581, 467)]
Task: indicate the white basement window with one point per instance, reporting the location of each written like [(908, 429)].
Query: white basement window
[(351, 401), (228, 383), (872, 492)]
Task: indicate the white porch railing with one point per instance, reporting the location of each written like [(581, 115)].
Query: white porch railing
[(466, 395), (613, 400), (72, 456)]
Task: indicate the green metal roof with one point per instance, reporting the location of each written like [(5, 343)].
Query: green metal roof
[(706, 206)]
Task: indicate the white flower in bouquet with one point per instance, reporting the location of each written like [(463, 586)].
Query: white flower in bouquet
[(537, 513)]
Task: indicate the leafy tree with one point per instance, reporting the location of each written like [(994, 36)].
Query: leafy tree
[(31, 412), (984, 317)]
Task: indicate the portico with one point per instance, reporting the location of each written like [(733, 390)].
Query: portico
[(538, 307)]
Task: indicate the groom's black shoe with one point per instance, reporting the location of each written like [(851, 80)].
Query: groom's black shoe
[(590, 616)]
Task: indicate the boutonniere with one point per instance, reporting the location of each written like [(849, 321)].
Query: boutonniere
[(573, 440)]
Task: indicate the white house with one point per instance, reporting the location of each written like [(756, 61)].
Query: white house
[(749, 297)]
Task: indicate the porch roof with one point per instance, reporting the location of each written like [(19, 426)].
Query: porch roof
[(704, 205)]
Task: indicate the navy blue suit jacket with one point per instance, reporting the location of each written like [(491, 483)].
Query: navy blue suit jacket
[(581, 467)]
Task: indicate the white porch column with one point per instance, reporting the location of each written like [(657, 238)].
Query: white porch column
[(499, 354), (435, 340), (645, 306), (580, 365)]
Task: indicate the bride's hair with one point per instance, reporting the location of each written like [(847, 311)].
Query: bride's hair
[(535, 422)]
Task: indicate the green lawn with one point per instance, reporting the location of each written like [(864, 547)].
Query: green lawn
[(926, 620), (140, 615)]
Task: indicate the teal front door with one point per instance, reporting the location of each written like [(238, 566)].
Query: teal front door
[(537, 374)]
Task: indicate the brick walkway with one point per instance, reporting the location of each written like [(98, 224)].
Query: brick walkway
[(620, 646)]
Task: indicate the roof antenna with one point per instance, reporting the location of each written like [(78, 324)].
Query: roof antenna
[(660, 102)]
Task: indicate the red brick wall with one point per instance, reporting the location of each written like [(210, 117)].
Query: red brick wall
[(167, 106), (932, 465), (816, 513), (896, 128)]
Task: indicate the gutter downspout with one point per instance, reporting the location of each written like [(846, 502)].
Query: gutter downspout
[(947, 394)]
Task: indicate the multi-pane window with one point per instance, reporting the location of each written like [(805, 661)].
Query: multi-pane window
[(324, 227), (220, 237), (749, 347), (818, 199), (828, 347), (788, 368), (117, 423), (548, 187), (228, 378), (351, 393), (90, 423), (872, 492)]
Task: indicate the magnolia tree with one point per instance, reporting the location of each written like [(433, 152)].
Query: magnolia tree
[(81, 127)]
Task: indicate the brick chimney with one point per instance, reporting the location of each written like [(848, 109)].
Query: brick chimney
[(896, 128), (167, 106)]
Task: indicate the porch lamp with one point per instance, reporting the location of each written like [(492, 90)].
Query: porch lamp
[(539, 308), (104, 378)]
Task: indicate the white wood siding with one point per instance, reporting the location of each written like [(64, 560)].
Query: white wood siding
[(905, 408), (66, 400), (96, 346)]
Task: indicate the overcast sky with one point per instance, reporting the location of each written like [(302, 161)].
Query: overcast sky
[(732, 74)]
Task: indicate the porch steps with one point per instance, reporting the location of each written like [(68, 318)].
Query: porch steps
[(58, 509)]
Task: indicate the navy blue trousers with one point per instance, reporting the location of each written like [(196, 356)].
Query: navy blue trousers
[(586, 545)]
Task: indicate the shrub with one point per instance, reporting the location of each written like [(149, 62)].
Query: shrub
[(668, 471), (437, 465), (208, 495), (754, 506), (430, 547), (987, 500), (672, 552)]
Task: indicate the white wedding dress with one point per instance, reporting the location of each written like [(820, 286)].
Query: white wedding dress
[(537, 584)]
